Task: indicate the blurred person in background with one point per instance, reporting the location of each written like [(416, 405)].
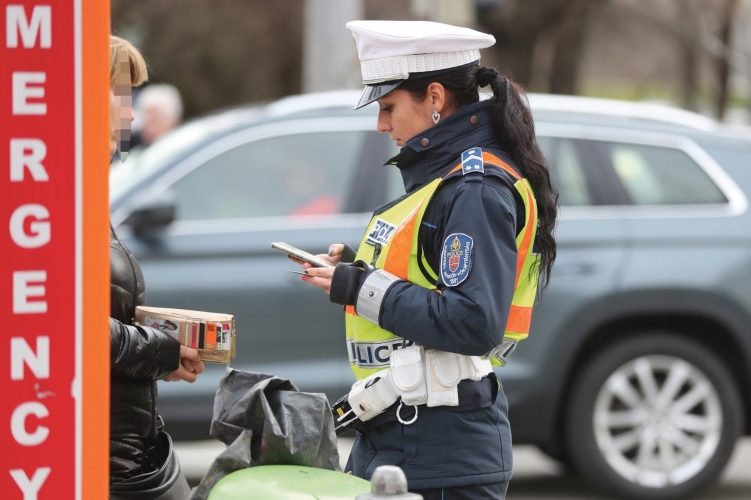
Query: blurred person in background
[(446, 276), (142, 464), (159, 108)]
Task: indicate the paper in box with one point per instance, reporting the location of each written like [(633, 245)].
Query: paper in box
[(212, 334)]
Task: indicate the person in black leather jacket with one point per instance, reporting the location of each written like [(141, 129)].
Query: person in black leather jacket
[(139, 356)]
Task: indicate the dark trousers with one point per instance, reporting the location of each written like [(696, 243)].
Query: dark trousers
[(495, 491)]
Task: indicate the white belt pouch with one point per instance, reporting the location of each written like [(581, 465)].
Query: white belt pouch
[(427, 376), (419, 376), (407, 373), (443, 373), (371, 396)]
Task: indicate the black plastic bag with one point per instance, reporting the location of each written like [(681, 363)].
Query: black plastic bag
[(265, 420)]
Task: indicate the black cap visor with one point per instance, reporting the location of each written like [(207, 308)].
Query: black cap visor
[(372, 93)]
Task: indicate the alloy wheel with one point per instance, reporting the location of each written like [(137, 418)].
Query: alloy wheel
[(657, 421)]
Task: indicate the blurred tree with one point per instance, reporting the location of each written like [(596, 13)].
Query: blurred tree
[(701, 28), (681, 20), (519, 25), (569, 44), (218, 53), (389, 10), (689, 34), (724, 59)]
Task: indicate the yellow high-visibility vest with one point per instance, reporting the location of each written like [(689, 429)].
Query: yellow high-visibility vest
[(391, 243)]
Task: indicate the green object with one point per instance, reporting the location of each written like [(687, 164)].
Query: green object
[(288, 482)]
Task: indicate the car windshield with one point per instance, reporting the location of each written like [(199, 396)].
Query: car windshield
[(140, 165)]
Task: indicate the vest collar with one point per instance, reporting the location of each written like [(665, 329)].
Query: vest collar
[(431, 153)]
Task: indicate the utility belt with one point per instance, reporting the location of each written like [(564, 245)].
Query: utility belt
[(416, 376)]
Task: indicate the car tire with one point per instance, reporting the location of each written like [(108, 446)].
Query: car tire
[(623, 441)]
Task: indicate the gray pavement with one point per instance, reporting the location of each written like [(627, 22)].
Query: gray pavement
[(536, 477)]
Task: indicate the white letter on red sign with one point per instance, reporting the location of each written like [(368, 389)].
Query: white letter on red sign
[(20, 353), (33, 161), (22, 92), (16, 22), (22, 291), (41, 231), (18, 424), (30, 488)]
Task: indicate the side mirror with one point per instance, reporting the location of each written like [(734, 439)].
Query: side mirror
[(153, 215)]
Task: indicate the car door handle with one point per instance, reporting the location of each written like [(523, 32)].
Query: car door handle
[(575, 269)]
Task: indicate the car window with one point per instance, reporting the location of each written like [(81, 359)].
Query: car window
[(566, 170), (302, 174), (654, 175), (144, 163)]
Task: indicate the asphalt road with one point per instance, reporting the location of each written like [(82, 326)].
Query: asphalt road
[(536, 477)]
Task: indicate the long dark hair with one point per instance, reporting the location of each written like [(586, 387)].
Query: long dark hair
[(512, 120)]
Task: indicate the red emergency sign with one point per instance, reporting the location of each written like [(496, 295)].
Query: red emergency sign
[(54, 80)]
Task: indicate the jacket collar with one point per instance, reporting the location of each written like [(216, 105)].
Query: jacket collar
[(433, 152)]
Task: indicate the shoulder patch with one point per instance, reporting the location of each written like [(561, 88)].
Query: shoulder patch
[(472, 161), (456, 258)]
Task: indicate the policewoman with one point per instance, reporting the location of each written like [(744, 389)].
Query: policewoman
[(444, 280)]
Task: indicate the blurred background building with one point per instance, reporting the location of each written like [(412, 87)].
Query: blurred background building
[(691, 53)]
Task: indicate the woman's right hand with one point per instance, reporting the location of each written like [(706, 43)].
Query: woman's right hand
[(190, 367), (333, 257)]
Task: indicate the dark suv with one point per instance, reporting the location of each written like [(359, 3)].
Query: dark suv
[(637, 371)]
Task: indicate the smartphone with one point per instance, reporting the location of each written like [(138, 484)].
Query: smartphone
[(300, 254)]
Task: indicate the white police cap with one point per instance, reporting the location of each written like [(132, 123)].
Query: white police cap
[(393, 51)]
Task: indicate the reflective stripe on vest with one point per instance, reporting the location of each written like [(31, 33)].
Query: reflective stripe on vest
[(369, 346)]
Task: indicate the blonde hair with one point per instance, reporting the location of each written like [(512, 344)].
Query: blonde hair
[(138, 71)]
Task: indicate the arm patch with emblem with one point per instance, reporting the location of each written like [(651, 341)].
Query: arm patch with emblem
[(456, 258)]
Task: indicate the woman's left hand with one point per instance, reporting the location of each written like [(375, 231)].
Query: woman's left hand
[(320, 277)]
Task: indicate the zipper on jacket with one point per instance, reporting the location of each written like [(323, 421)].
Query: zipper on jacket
[(154, 394), (133, 269)]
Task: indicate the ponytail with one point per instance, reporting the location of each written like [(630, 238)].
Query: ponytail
[(513, 122), (514, 125)]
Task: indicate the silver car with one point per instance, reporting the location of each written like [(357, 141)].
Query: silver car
[(637, 371)]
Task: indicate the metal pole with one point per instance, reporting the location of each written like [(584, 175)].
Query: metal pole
[(329, 53)]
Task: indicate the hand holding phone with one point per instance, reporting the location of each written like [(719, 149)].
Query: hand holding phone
[(300, 254)]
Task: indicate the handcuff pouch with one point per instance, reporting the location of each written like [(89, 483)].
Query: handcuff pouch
[(371, 396), (407, 373), (443, 373)]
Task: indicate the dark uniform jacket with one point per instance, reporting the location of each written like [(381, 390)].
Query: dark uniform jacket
[(139, 356), (469, 444)]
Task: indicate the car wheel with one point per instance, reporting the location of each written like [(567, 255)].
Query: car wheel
[(655, 416)]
